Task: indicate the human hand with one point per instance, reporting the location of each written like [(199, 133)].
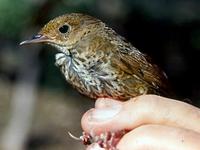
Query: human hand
[(154, 122)]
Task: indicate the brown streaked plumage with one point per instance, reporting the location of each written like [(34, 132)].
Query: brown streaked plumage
[(98, 62)]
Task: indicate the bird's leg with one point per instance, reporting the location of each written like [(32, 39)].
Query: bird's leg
[(60, 59)]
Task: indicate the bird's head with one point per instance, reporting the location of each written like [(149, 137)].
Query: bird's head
[(66, 30)]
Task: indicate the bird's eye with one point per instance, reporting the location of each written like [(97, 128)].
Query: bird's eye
[(64, 29)]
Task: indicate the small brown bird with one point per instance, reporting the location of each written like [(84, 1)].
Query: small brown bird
[(97, 61), (100, 63)]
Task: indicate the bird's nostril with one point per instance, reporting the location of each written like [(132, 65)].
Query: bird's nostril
[(36, 36)]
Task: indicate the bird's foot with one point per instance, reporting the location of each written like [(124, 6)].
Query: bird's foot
[(107, 140), (60, 59)]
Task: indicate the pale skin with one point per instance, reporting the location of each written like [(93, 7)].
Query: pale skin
[(154, 123)]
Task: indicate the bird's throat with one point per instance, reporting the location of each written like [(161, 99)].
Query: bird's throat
[(62, 49)]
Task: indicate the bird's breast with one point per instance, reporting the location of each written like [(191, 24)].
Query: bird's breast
[(91, 75)]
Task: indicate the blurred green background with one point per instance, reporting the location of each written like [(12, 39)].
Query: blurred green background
[(37, 106)]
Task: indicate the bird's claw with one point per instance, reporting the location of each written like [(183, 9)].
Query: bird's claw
[(107, 140)]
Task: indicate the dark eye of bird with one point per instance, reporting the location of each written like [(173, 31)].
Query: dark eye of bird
[(64, 29)]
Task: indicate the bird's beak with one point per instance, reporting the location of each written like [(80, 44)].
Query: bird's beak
[(39, 38)]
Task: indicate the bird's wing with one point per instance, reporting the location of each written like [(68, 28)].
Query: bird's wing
[(138, 65)]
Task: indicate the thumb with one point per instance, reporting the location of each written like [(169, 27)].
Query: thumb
[(111, 115)]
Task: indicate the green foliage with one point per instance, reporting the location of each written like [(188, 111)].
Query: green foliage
[(14, 16)]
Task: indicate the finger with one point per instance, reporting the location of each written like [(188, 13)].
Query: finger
[(146, 109), (159, 137), (94, 146)]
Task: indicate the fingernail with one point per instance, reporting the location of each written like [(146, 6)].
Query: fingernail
[(107, 113), (106, 102)]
